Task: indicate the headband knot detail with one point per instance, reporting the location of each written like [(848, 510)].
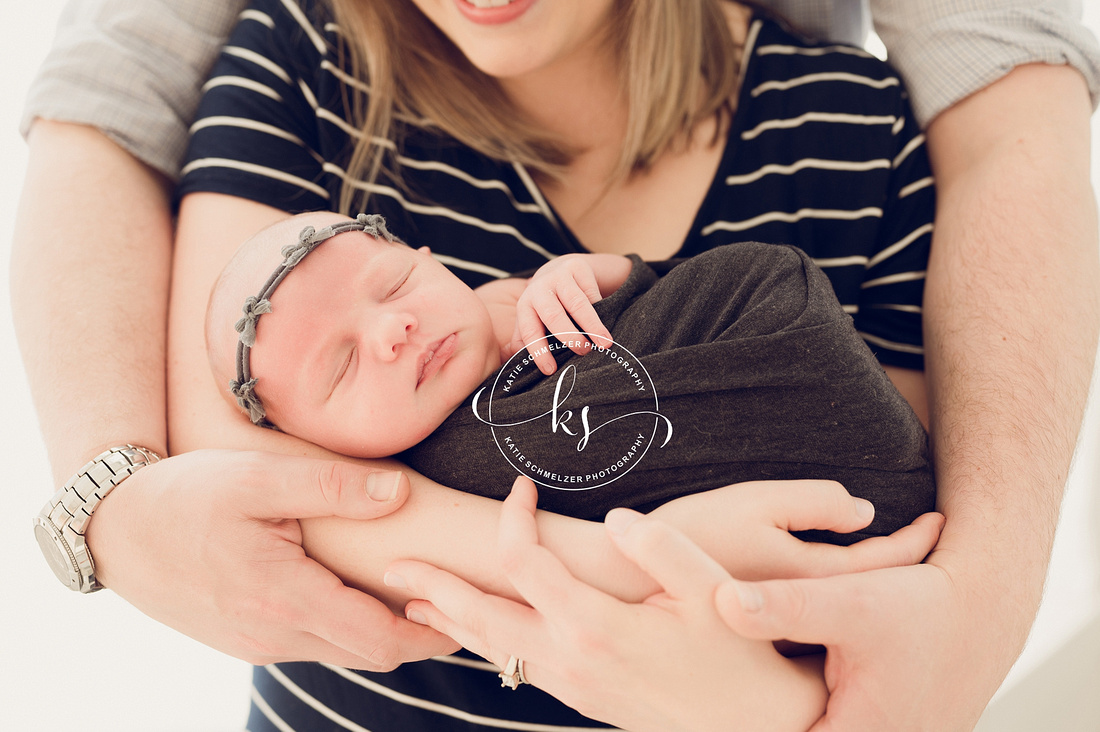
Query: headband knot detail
[(247, 399), (246, 326)]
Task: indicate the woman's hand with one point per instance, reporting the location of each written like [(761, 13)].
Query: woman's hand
[(669, 663), (209, 543), (752, 540)]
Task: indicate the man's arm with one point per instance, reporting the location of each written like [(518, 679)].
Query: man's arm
[(1012, 313), (90, 271), (1011, 317), (89, 281)]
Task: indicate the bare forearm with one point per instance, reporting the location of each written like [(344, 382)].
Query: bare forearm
[(89, 280), (1011, 325), (458, 532)]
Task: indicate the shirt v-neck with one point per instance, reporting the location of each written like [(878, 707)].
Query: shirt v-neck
[(735, 125)]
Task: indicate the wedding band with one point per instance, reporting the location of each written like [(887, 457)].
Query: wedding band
[(512, 675)]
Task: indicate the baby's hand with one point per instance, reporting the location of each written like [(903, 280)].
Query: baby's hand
[(561, 289)]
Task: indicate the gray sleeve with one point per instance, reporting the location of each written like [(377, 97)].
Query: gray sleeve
[(834, 20), (948, 49), (133, 70)]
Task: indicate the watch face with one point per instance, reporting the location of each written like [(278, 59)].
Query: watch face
[(58, 554)]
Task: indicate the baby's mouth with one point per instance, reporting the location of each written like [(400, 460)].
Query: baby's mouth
[(436, 355)]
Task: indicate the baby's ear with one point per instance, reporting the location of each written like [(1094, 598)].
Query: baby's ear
[(425, 250)]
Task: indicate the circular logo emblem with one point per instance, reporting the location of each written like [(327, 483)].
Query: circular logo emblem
[(582, 427)]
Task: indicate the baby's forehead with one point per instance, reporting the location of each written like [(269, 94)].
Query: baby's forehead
[(301, 238)]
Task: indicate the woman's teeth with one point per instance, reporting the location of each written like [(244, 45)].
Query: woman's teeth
[(489, 3)]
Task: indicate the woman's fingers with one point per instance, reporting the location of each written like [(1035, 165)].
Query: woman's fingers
[(477, 620), (908, 545), (801, 505), (536, 574), (673, 560), (342, 625)]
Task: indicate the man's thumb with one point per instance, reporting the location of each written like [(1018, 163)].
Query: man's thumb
[(306, 488), (799, 610)]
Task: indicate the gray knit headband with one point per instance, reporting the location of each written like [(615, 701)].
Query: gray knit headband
[(244, 386)]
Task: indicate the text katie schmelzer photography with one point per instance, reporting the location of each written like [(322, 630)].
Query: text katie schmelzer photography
[(564, 442)]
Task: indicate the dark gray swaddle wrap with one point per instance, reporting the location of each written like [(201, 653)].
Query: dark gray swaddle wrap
[(761, 374)]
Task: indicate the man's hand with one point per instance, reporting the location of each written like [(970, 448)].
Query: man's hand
[(209, 543), (886, 667), (1011, 317)]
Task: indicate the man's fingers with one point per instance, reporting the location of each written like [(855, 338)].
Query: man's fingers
[(428, 615), (364, 627), (297, 487), (356, 622), (819, 610), (673, 560)]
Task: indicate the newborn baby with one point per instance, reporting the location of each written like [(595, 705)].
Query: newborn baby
[(366, 346)]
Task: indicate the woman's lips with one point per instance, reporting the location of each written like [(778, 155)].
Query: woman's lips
[(436, 356), (492, 12)]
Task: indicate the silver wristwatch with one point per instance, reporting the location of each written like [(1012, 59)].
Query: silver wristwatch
[(59, 527)]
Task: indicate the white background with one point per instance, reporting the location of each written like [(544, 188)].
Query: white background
[(96, 662)]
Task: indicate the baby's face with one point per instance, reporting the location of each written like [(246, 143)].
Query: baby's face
[(369, 346)]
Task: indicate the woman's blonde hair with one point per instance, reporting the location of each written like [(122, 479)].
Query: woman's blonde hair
[(678, 62)]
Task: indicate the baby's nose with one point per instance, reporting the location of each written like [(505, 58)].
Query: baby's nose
[(395, 335)]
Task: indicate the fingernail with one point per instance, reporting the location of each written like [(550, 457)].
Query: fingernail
[(393, 579), (750, 598), (619, 520), (382, 487), (417, 617), (865, 509)]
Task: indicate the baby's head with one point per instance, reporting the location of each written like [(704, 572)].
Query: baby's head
[(362, 346)]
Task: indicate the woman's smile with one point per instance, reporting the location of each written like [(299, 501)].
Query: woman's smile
[(493, 12)]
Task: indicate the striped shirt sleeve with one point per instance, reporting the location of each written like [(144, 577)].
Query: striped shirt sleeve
[(258, 106), (889, 314)]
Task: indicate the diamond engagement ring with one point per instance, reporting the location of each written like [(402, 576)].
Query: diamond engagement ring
[(512, 675)]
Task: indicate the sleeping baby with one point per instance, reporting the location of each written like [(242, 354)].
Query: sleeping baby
[(742, 366)]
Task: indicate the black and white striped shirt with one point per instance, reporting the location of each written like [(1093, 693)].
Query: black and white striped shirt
[(823, 153)]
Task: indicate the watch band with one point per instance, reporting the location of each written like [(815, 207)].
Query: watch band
[(60, 525)]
